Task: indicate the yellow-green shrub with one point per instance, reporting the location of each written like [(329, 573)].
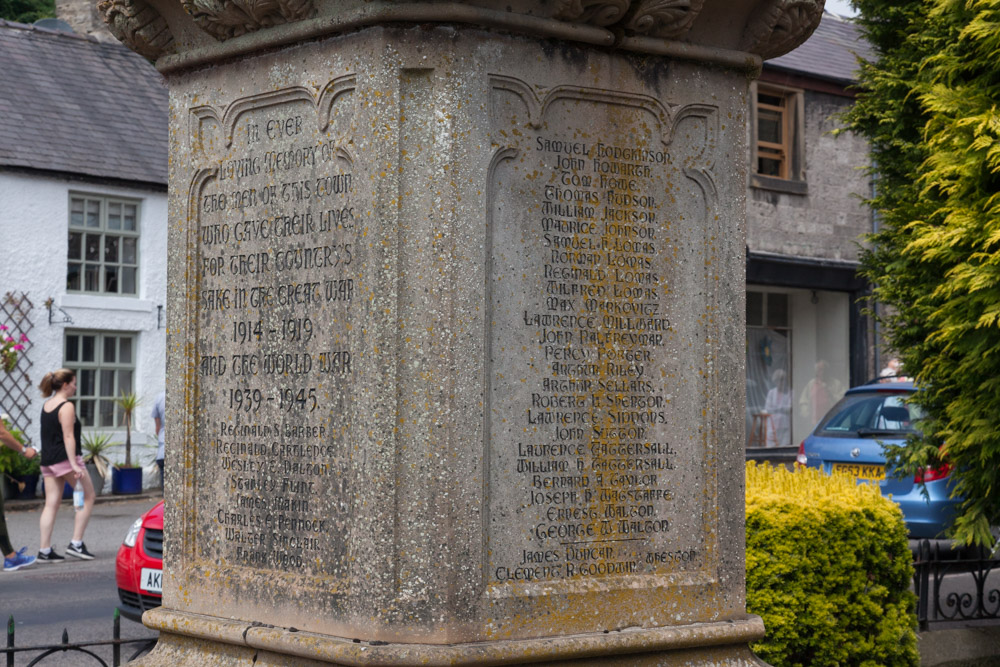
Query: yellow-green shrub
[(828, 569)]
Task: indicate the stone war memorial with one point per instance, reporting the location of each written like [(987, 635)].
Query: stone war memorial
[(456, 342)]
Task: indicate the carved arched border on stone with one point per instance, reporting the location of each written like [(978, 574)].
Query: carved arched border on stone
[(668, 19), (227, 122), (230, 117), (339, 86), (225, 19), (702, 175), (188, 330), (138, 26), (670, 117), (780, 26), (537, 106), (503, 154)]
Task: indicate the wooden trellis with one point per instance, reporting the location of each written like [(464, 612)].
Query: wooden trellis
[(15, 386)]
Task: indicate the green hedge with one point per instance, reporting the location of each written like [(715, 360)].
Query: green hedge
[(828, 569)]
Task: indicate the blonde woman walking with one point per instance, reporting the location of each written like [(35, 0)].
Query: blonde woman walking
[(62, 464)]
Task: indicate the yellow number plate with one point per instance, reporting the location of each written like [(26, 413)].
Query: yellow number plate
[(873, 473)]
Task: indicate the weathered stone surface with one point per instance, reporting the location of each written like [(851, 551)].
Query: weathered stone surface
[(457, 348)]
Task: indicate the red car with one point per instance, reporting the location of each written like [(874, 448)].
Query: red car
[(139, 566)]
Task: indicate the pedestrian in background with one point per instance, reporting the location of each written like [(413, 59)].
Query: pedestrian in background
[(12, 560), (62, 464), (159, 415)]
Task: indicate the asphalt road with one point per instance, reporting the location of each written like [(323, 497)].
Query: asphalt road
[(79, 596)]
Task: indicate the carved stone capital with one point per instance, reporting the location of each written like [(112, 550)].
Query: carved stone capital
[(780, 26), (214, 29), (669, 19), (225, 19), (138, 26)]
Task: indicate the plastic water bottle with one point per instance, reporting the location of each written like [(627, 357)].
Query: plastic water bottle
[(78, 496)]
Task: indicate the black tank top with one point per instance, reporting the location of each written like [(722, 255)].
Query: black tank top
[(53, 445)]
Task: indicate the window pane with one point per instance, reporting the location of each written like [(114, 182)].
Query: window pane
[(111, 279), (76, 212), (769, 126), (769, 167), (72, 348), (88, 350), (128, 250), (107, 387), (114, 215), (107, 413), (773, 100), (93, 247), (128, 280), (92, 277), (777, 310), (755, 309), (125, 351), (124, 382), (93, 213), (110, 350), (86, 412), (129, 217), (85, 382), (111, 248), (73, 276), (75, 245)]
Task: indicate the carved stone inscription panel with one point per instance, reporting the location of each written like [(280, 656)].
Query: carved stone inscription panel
[(276, 264), (600, 340)]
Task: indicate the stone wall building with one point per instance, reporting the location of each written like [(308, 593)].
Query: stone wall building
[(83, 174), (807, 337)]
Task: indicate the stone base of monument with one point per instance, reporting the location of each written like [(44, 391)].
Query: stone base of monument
[(189, 639)]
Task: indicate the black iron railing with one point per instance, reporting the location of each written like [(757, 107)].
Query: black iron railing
[(60, 649), (955, 587)]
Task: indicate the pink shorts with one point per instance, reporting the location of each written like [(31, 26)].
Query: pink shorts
[(61, 468)]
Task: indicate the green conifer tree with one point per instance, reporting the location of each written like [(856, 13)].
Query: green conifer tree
[(929, 107)]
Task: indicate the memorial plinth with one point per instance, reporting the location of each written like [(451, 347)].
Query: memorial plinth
[(456, 328)]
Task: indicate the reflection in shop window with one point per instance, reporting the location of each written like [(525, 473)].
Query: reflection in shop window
[(768, 356)]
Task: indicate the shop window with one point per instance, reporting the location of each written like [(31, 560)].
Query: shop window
[(104, 363), (769, 370)]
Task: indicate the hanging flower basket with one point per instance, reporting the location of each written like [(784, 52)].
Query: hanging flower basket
[(9, 347)]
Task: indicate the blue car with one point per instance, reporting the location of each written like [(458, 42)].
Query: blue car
[(850, 439)]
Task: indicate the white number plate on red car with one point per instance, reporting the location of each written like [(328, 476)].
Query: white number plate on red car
[(151, 580)]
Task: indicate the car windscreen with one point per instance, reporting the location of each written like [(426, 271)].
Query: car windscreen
[(871, 414)]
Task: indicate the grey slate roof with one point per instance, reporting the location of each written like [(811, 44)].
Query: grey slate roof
[(830, 53), (73, 104)]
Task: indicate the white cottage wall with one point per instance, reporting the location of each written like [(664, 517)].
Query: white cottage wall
[(34, 222)]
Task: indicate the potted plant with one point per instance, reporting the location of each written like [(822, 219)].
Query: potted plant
[(125, 477), (23, 482), (95, 448), (20, 475)]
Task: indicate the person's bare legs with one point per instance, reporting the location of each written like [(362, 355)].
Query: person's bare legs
[(53, 496), (83, 514)]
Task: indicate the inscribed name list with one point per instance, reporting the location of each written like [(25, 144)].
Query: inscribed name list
[(596, 440), (277, 257)]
